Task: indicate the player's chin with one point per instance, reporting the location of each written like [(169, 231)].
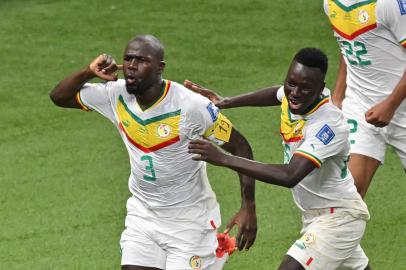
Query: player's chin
[(296, 108), (132, 88)]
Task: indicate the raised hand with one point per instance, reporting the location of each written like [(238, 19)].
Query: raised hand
[(210, 94), (104, 66)]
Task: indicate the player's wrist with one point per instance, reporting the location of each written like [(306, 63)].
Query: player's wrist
[(248, 203), (89, 73), (393, 102)]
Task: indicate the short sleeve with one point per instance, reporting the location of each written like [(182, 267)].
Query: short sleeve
[(392, 14), (280, 93), (203, 119), (96, 96), (322, 141), (325, 6)]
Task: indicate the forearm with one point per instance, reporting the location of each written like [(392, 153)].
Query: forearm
[(240, 147), (399, 93), (264, 97), (341, 82), (64, 93), (275, 174)]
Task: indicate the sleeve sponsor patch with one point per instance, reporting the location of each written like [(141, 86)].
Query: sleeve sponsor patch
[(213, 110), (325, 134), (402, 6)]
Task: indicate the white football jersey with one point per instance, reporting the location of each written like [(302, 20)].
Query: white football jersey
[(321, 136), (163, 174), (372, 38)]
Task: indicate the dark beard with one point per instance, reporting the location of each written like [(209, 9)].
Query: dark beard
[(134, 89), (139, 88)]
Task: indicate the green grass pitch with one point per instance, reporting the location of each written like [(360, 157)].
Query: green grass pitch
[(63, 173)]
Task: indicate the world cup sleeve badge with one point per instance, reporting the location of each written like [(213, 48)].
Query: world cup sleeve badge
[(325, 134), (402, 6), (213, 111)]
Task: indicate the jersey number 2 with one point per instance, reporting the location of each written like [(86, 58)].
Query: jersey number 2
[(354, 51), (149, 168)]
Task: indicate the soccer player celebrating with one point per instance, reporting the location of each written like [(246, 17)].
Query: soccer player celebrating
[(371, 83), (315, 139), (173, 216)]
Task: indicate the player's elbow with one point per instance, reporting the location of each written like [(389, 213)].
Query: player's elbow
[(56, 98), (292, 181)]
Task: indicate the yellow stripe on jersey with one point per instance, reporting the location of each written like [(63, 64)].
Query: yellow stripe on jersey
[(352, 21), (150, 134), (80, 102), (220, 130), (291, 130)]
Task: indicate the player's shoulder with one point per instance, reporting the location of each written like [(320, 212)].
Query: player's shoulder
[(113, 86), (118, 85), (389, 10), (107, 88), (329, 118), (188, 99)]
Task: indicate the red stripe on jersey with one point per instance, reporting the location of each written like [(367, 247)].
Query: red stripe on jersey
[(309, 261)]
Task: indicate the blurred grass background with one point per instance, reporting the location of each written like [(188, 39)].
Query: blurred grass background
[(64, 173)]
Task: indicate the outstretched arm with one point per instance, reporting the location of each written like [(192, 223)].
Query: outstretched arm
[(259, 98), (245, 219), (382, 113), (287, 175), (64, 93), (341, 84)]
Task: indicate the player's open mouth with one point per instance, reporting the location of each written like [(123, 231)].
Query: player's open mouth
[(294, 103), (130, 79)]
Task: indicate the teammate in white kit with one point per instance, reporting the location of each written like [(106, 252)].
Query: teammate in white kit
[(371, 83), (316, 146), (173, 216)]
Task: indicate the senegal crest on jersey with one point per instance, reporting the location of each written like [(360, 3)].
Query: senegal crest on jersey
[(354, 20), (150, 134)]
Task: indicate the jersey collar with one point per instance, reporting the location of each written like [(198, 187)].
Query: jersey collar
[(164, 92)]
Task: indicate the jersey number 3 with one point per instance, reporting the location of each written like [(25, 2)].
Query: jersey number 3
[(149, 168)]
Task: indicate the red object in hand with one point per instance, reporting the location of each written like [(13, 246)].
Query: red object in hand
[(226, 245)]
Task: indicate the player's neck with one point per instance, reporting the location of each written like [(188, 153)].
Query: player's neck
[(147, 98)]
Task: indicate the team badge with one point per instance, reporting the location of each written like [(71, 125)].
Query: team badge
[(195, 262), (363, 16), (325, 134), (308, 239), (163, 130)]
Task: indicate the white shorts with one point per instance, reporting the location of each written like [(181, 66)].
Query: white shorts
[(330, 240), (371, 141), (176, 243)]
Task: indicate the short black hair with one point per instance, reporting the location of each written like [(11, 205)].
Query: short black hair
[(154, 43), (312, 57)]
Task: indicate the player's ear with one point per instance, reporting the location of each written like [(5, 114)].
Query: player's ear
[(161, 67), (322, 86)]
